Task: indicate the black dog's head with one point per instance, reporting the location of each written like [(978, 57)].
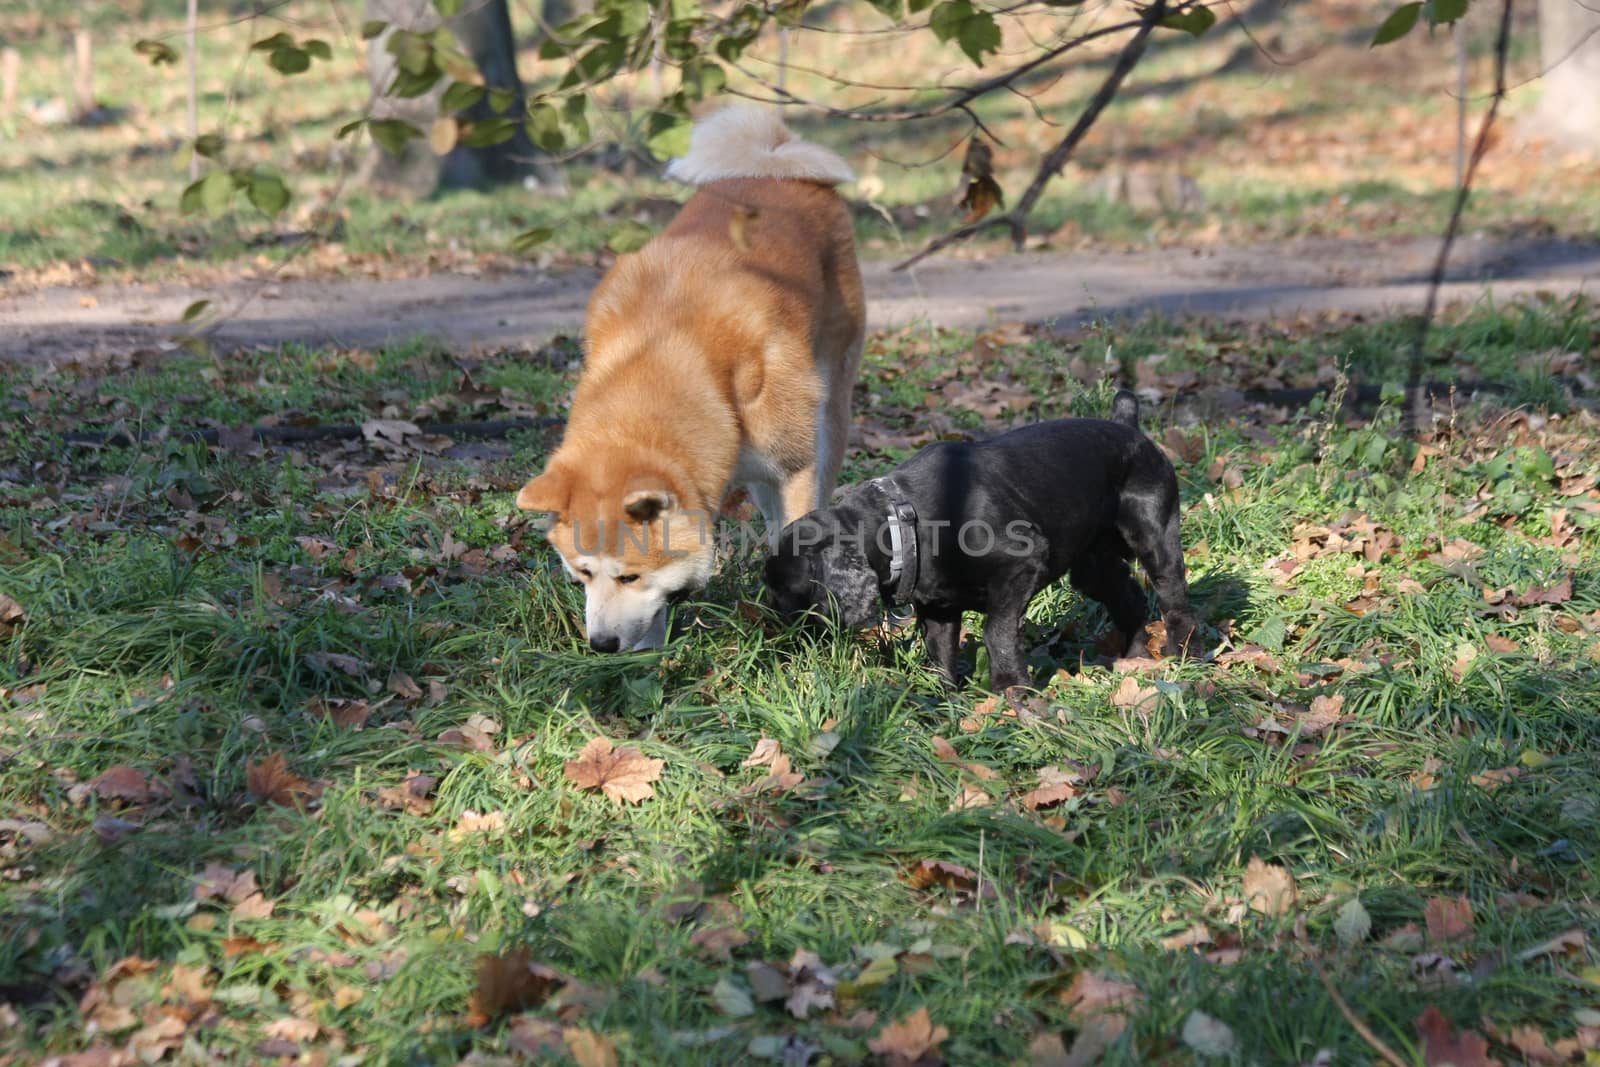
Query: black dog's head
[(820, 567)]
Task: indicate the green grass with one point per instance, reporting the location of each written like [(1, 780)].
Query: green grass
[(182, 604)]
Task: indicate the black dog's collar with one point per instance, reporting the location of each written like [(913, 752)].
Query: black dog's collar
[(901, 519)]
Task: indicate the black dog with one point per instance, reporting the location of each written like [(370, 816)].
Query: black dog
[(986, 526)]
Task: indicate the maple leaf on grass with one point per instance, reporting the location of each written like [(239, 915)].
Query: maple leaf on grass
[(914, 1039), (272, 782), (623, 775), (1268, 888), (127, 784), (589, 1048), (1442, 1045), (512, 982), (1449, 918)]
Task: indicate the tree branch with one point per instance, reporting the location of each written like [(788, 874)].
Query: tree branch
[(956, 101), (1050, 166), (1416, 397)]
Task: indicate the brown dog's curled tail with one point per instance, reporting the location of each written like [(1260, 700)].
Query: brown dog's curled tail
[(745, 141), (1125, 409)]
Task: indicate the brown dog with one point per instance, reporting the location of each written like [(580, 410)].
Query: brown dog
[(722, 353)]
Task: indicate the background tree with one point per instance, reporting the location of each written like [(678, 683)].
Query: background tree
[(1569, 49), (416, 165)]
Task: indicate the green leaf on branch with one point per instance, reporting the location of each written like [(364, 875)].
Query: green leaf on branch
[(1441, 12), (975, 31), (208, 145), (412, 51), (526, 241), (488, 132), (502, 100), (290, 61), (210, 194), (408, 86), (1399, 23), (703, 78), (459, 97), (348, 128), (317, 48), (392, 134), (158, 52), (667, 135), (195, 310), (372, 28), (574, 114), (267, 192), (1195, 21), (544, 127), (273, 43)]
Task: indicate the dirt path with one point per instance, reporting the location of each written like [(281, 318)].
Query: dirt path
[(1061, 288)]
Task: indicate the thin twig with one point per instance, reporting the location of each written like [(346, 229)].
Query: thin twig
[(1389, 1055), (956, 101), (1416, 399), (1017, 218)]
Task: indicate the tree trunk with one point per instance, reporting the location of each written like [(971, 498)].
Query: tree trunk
[(484, 31), (1569, 47)]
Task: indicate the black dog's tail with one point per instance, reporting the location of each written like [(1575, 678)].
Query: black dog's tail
[(1125, 409)]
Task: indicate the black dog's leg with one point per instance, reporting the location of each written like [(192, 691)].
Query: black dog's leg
[(942, 633), (1160, 552), (1102, 574), (1002, 629)]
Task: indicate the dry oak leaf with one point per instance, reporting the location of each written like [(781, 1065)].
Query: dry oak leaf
[(473, 823), (947, 753), (589, 1048), (912, 1040), (1442, 1046), (1130, 694), (1449, 918), (157, 1039), (127, 784), (766, 751), (623, 775), (1055, 785), (291, 1028), (512, 982), (1268, 888), (414, 795), (345, 714), (272, 782), (1092, 994), (1326, 712)]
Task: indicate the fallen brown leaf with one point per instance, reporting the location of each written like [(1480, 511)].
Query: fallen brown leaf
[(589, 1048), (623, 775), (913, 1040), (947, 753), (1268, 889), (271, 782), (1448, 918), (509, 982), (127, 784), (345, 714), (1442, 1045)]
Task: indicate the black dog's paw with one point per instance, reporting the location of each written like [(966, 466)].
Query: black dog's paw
[(1182, 638)]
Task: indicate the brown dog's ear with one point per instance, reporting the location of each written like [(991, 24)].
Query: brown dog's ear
[(647, 505), (548, 492)]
